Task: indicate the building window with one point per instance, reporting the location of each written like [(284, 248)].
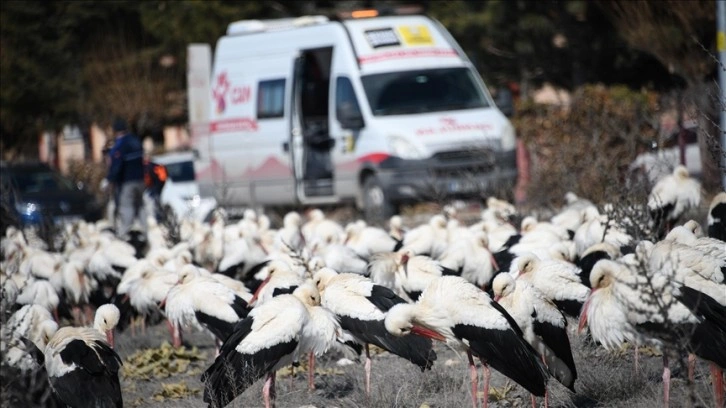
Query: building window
[(271, 99)]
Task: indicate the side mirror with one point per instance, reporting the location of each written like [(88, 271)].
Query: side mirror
[(350, 116), (504, 101)]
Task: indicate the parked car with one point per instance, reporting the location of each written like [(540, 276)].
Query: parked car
[(37, 193), (665, 155), (181, 191)]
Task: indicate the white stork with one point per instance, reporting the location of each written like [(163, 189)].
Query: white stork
[(458, 313), (559, 281), (205, 303), (542, 324), (674, 317), (81, 364), (367, 241), (26, 322), (361, 307), (269, 338), (672, 196)]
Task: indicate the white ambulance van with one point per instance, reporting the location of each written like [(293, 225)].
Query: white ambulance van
[(377, 110)]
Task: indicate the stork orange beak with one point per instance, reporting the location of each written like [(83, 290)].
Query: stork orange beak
[(257, 292), (109, 337), (496, 298), (428, 333)]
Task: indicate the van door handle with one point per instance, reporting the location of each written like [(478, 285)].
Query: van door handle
[(286, 147)]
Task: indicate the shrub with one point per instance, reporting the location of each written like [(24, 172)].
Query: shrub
[(587, 145)]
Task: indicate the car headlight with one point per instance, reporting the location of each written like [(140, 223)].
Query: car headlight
[(404, 149), (508, 137), (27, 208)]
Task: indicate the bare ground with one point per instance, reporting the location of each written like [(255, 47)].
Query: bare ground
[(606, 379)]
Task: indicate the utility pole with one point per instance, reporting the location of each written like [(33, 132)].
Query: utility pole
[(721, 48)]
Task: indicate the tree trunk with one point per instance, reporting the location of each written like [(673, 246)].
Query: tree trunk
[(705, 100)]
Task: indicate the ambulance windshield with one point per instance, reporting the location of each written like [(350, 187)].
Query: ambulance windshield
[(431, 90)]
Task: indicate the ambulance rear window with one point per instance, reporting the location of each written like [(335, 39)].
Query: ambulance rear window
[(271, 99), (421, 91)]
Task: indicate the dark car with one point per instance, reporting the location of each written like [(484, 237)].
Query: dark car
[(38, 194)]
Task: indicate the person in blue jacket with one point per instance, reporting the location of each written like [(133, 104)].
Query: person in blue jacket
[(126, 173)]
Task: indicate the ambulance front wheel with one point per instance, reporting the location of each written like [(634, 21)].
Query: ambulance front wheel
[(376, 205)]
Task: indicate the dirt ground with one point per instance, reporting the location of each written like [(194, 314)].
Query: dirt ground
[(606, 379)]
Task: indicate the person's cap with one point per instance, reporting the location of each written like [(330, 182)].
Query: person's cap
[(119, 125)]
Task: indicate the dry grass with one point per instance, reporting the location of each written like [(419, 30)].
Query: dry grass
[(606, 379)]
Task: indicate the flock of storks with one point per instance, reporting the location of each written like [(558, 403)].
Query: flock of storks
[(270, 297)]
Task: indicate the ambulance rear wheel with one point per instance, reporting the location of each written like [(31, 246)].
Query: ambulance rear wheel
[(376, 205)]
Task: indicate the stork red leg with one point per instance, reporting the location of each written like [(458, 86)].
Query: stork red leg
[(175, 334), (487, 376), (474, 379), (666, 381), (268, 391), (691, 366), (368, 372), (718, 384), (311, 371)]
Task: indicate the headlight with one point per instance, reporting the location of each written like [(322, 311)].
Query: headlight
[(27, 208), (404, 149), (508, 137)]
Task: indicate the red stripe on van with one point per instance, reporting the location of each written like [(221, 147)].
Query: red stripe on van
[(233, 125), (407, 54), (373, 158)]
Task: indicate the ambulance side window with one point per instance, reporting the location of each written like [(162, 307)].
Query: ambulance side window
[(347, 110), (271, 99)]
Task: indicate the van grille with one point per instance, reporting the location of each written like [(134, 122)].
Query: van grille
[(458, 155)]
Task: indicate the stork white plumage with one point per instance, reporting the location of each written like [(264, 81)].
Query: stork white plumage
[(40, 292), (673, 317), (323, 329), (471, 258), (559, 282), (77, 287), (543, 326), (672, 196), (269, 338), (597, 228), (361, 307), (395, 228), (26, 322), (458, 313), (322, 230), (204, 303), (341, 258), (711, 247), (367, 241), (290, 235), (81, 364), (281, 279), (415, 272), (428, 239)]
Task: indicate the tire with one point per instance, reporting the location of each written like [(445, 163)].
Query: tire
[(376, 205)]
